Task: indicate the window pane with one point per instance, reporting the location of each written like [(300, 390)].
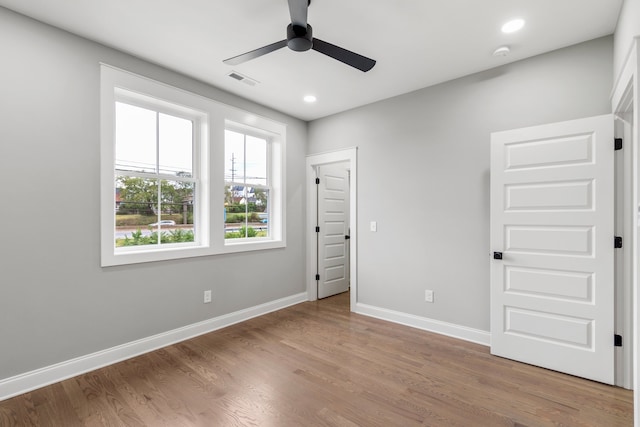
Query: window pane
[(234, 156), (246, 213), (259, 212), (234, 211), (177, 196), (136, 208), (256, 161), (176, 146), (135, 138), (176, 208), (141, 220)]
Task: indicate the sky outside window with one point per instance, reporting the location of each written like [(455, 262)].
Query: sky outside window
[(245, 159), (139, 147)]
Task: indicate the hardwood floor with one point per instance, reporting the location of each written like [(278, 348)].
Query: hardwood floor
[(317, 364)]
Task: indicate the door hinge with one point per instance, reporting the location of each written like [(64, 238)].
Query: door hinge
[(317, 277), (618, 143), (317, 180), (317, 229), (617, 340), (617, 242)]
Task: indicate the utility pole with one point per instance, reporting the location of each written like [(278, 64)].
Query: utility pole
[(233, 167)]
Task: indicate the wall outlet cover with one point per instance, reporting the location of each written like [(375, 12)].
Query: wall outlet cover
[(428, 296)]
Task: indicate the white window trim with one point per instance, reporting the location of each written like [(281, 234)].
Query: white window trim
[(235, 127), (199, 121), (214, 117), (238, 121)]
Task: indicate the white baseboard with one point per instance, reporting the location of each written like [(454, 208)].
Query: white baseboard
[(443, 328), (28, 381)]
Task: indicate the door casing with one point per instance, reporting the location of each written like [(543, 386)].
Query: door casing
[(624, 262), (348, 155), (625, 104)]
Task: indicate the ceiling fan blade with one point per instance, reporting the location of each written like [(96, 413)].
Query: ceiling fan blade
[(298, 11), (255, 53), (353, 59)]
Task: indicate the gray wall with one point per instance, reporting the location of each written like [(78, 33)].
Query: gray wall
[(423, 174), (56, 303)]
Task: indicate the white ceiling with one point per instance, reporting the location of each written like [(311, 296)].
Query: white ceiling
[(416, 43)]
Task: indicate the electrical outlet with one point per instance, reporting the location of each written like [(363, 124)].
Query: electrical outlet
[(207, 297), (428, 295)]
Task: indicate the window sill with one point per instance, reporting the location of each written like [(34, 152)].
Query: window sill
[(244, 246), (173, 252), (161, 254)]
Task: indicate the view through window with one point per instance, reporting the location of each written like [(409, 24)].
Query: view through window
[(246, 186), (154, 177), (182, 175)]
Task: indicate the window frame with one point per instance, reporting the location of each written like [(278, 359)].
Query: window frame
[(234, 127), (196, 119), (212, 119), (275, 133)]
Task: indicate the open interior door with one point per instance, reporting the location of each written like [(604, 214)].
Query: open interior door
[(333, 237), (552, 243)]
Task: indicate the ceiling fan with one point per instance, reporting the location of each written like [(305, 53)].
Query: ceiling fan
[(300, 39)]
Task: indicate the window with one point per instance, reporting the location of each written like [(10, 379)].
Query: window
[(168, 159), (246, 186), (155, 178)]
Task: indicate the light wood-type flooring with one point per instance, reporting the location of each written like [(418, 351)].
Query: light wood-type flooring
[(317, 364)]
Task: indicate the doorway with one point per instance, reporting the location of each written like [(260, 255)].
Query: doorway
[(316, 164), (332, 229)]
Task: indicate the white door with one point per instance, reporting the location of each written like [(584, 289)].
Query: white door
[(333, 222), (552, 218)]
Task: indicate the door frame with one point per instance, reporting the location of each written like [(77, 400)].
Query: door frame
[(624, 226), (348, 155), (624, 99)]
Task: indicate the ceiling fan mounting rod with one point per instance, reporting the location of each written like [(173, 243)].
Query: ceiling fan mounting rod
[(299, 38)]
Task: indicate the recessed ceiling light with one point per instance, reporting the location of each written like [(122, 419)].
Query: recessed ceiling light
[(513, 26), (310, 99)]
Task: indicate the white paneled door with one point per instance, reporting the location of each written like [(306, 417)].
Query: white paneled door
[(552, 243), (333, 222)]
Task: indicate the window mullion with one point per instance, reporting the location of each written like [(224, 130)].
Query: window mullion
[(244, 181), (174, 177), (135, 174), (158, 180), (157, 143), (269, 165)]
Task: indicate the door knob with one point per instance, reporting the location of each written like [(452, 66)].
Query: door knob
[(497, 255)]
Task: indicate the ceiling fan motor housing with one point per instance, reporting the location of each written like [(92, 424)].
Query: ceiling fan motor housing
[(299, 38)]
